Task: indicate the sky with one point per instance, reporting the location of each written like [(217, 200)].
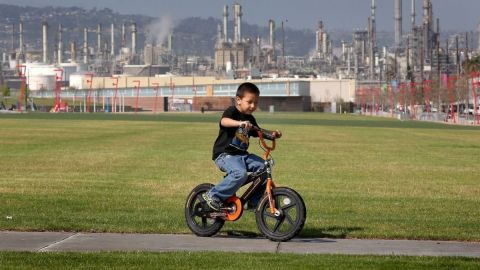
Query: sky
[(458, 15)]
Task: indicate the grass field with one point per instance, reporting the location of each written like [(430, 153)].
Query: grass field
[(222, 261), (360, 177)]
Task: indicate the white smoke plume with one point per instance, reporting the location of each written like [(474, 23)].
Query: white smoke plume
[(157, 32)]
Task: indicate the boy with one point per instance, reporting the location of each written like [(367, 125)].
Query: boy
[(230, 148)]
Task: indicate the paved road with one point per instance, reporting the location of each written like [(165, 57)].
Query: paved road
[(81, 242)]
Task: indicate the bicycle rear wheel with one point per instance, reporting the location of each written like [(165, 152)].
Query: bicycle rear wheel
[(198, 214), (290, 220)]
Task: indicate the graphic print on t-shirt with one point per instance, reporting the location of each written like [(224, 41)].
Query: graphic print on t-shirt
[(240, 141)]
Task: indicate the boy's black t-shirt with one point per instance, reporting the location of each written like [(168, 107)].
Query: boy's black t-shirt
[(233, 140)]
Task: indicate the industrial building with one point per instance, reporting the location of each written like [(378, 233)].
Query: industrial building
[(192, 93), (327, 76)]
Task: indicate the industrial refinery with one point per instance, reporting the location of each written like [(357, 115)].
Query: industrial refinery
[(420, 72)]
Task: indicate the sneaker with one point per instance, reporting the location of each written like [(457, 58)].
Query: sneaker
[(212, 203)]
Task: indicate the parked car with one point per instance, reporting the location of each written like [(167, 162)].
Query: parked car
[(471, 110)]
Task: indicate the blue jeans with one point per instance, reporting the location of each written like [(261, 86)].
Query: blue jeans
[(237, 167)]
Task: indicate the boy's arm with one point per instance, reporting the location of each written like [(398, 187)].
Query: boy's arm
[(229, 122)]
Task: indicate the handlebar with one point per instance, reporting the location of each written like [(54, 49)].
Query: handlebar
[(262, 141)]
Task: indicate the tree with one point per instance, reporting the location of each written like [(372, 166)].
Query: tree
[(5, 90), (472, 65)]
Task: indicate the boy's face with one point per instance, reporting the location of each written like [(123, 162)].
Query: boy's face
[(247, 104)]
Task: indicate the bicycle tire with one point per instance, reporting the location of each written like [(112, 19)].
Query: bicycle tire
[(292, 216), (196, 211)]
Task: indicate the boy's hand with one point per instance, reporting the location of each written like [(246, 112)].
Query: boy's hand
[(246, 124), (277, 134)]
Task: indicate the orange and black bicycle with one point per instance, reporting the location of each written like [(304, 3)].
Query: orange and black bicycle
[(280, 214)]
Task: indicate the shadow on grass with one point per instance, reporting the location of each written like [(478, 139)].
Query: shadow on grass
[(242, 234), (335, 232)]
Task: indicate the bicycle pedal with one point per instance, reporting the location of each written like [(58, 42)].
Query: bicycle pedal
[(218, 215)]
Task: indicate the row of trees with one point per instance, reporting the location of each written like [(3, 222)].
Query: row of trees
[(440, 93)]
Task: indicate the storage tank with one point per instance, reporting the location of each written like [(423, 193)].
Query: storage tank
[(77, 80), (40, 76), (41, 82)]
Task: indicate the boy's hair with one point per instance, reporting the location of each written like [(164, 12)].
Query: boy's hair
[(247, 87)]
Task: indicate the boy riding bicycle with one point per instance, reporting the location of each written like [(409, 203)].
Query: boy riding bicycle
[(230, 148)]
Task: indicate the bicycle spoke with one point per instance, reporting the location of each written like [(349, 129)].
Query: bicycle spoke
[(289, 219), (288, 206), (278, 224)]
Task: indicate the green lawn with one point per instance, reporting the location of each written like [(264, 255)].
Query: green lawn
[(360, 177), (200, 260)]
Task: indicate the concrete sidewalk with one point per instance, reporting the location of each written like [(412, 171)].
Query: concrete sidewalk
[(95, 242)]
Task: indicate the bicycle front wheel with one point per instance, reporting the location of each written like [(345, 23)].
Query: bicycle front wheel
[(289, 220)]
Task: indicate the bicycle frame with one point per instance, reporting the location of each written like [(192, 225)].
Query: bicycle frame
[(256, 179), (270, 184)]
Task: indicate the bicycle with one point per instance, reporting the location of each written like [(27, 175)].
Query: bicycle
[(280, 214)]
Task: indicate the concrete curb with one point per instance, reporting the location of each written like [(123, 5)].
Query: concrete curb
[(98, 242)]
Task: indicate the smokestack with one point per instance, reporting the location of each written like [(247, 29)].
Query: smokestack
[(413, 15), (478, 32), (60, 44), (225, 23), (45, 41), (20, 30), (134, 38), (398, 23), (13, 38), (73, 52), (124, 36), (220, 38), (319, 36), (237, 23), (372, 40), (85, 45), (271, 30), (427, 24), (271, 27), (325, 43), (170, 42), (99, 38), (112, 41)]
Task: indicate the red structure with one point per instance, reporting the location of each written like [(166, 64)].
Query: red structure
[(451, 85), (156, 86), (392, 99), (138, 93), (89, 94), (58, 89), (412, 100), (475, 78), (23, 87), (115, 84), (427, 89)]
